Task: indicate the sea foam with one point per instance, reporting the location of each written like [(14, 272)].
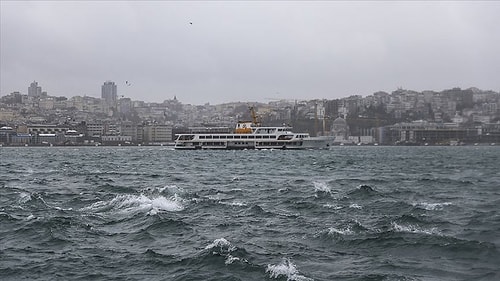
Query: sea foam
[(431, 206), (220, 243), (285, 269), (321, 187), (24, 197), (343, 231), (137, 203), (414, 229), (355, 206), (224, 248)]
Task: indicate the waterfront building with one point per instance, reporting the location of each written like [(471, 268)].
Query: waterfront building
[(95, 129), (130, 129), (38, 129), (423, 132), (20, 139), (156, 133), (115, 140), (6, 134)]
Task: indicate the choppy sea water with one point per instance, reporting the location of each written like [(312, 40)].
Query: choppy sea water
[(151, 213)]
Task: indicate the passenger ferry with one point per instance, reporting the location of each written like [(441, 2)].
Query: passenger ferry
[(250, 135)]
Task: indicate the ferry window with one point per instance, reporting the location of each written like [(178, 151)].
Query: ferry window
[(236, 137)]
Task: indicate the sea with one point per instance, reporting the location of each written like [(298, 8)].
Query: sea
[(154, 213)]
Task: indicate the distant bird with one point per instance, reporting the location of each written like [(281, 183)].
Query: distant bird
[(190, 23), (127, 83)]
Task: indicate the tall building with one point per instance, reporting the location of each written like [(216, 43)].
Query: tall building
[(34, 90), (109, 93)]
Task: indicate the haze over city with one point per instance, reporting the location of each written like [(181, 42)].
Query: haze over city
[(225, 51)]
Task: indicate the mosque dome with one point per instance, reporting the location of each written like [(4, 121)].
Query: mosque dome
[(340, 129), (340, 121)]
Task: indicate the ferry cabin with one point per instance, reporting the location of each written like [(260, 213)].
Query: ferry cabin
[(244, 138)]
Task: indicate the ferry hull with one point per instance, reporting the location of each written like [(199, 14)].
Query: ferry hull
[(309, 143)]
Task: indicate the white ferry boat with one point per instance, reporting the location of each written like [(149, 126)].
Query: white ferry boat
[(250, 135)]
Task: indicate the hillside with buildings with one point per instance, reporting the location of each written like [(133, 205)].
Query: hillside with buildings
[(402, 117)]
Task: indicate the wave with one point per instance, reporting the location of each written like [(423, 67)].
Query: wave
[(224, 248), (27, 200), (431, 206), (321, 187), (343, 231), (410, 228), (132, 204), (234, 204), (258, 210), (220, 243), (355, 206), (230, 262), (333, 206), (349, 228), (24, 197), (285, 269), (363, 191)]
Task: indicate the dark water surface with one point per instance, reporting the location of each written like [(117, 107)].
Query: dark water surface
[(150, 213)]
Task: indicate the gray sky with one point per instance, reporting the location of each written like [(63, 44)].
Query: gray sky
[(248, 50)]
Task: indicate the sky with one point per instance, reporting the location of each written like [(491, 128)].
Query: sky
[(227, 51)]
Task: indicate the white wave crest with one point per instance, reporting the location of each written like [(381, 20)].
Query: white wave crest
[(343, 231), (237, 204), (355, 206), (230, 259), (287, 269), (223, 247), (221, 243), (30, 217), (431, 206), (136, 204), (168, 189), (322, 187), (414, 229), (173, 189), (24, 197), (333, 206)]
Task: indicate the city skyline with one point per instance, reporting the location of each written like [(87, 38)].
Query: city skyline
[(219, 52), (110, 94)]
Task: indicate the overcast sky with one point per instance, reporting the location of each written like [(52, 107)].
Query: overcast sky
[(225, 51)]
